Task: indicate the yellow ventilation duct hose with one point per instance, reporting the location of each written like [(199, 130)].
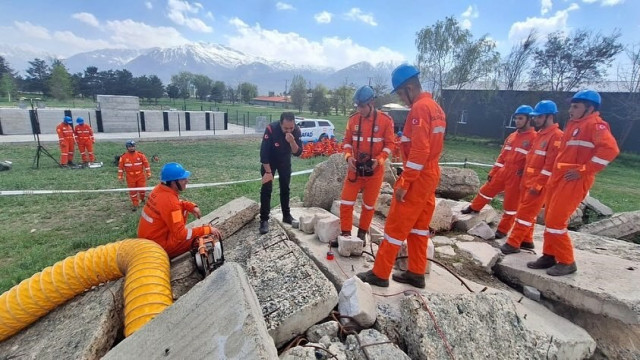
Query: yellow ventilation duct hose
[(147, 285)]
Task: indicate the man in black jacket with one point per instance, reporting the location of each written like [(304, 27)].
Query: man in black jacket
[(279, 142)]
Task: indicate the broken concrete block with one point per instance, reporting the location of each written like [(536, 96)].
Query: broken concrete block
[(386, 188), (482, 230), (307, 223), (350, 245), (316, 332), (301, 352), (83, 328), (442, 219), (483, 253), (623, 225), (335, 208), (464, 222), (327, 228), (293, 292), (231, 216), (220, 317), (356, 300), (383, 204), (381, 351), (465, 237), (402, 260), (442, 240), (596, 206), (446, 250), (531, 292)]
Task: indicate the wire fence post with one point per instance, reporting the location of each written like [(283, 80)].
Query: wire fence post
[(465, 163)]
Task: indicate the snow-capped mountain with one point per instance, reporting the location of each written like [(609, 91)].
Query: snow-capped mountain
[(19, 58), (222, 63)]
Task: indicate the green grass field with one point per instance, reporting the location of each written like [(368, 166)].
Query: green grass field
[(38, 230)]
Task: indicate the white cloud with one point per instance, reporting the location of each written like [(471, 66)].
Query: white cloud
[(467, 15), (32, 31), (68, 39), (181, 11), (148, 4), (284, 6), (356, 14), (543, 26), (605, 2), (323, 17), (137, 35), (545, 6), (291, 47), (209, 15), (86, 18)]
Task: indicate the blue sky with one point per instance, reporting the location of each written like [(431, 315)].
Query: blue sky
[(303, 32)]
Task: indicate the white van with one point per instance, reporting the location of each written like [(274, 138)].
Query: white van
[(315, 129)]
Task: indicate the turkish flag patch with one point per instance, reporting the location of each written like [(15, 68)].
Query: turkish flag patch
[(415, 121), (277, 144), (266, 136), (601, 127)]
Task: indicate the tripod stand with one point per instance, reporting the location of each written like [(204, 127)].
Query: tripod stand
[(40, 148)]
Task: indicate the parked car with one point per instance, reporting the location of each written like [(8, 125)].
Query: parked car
[(315, 129)]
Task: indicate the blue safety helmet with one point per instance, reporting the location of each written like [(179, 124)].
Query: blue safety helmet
[(173, 171), (545, 107), (130, 143), (363, 95), (80, 121), (68, 120), (401, 74), (399, 133), (588, 95), (523, 110)]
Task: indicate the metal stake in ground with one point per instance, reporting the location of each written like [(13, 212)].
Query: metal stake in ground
[(35, 127)]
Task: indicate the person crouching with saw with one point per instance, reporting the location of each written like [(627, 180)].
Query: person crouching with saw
[(368, 141), (164, 216)]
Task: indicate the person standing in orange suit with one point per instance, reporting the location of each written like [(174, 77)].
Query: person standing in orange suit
[(164, 216), (85, 139), (368, 141), (66, 141), (587, 147), (135, 165), (506, 174), (414, 196), (537, 172)]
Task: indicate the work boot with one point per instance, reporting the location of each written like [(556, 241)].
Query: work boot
[(499, 234), (70, 163), (562, 269), (507, 249), (469, 210), (407, 277), (134, 207), (287, 219), (543, 262), (264, 226), (64, 166), (334, 243), (527, 245), (362, 235), (371, 278)]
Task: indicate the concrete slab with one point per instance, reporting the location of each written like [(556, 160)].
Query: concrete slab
[(603, 284), (291, 290), (484, 254), (464, 222), (83, 328), (220, 318), (619, 226), (231, 216)]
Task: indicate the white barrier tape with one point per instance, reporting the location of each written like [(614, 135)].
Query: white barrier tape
[(148, 188)]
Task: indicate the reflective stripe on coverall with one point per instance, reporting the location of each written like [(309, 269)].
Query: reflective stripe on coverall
[(135, 165), (84, 137), (587, 146), (163, 220), (537, 172), (422, 141), (67, 143), (357, 140), (506, 175)]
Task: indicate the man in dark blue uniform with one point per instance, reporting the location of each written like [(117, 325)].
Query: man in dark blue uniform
[(279, 142)]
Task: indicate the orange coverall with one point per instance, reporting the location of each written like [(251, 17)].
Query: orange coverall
[(361, 137), (67, 143), (163, 220), (537, 172), (421, 145), (135, 165), (587, 146), (506, 175), (85, 139)]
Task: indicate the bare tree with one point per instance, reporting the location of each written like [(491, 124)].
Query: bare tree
[(568, 61), (449, 56), (517, 62), (298, 92)]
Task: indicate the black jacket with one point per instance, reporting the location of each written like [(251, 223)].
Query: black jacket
[(275, 149)]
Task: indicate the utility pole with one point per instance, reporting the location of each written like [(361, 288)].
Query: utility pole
[(370, 80), (286, 82)]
